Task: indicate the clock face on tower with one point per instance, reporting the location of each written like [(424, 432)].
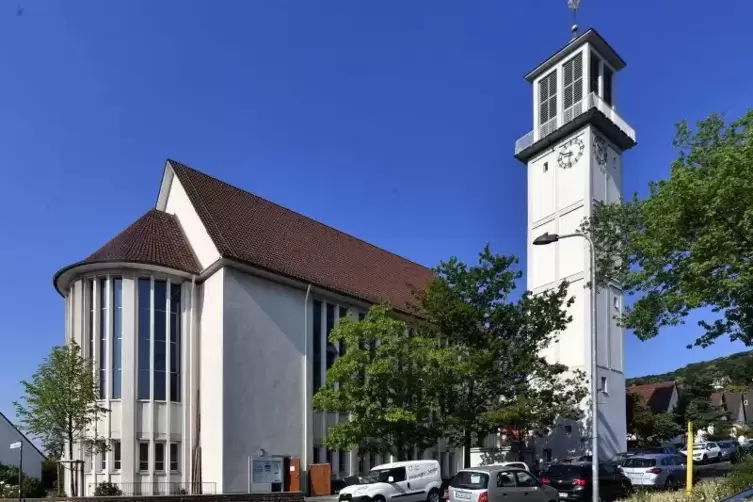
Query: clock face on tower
[(570, 153), (600, 150)]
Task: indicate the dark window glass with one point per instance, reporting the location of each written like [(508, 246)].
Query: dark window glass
[(398, 473), (116, 455), (316, 454), (470, 480), (565, 471), (343, 346), (639, 462), (607, 85), (117, 337), (92, 319), (505, 480), (159, 456), (329, 455), (103, 338), (143, 456), (175, 342), (318, 343), (593, 74), (144, 301), (361, 316), (331, 350), (343, 463), (174, 457), (160, 341), (525, 479)]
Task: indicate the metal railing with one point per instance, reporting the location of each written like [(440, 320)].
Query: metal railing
[(161, 488), (570, 114)]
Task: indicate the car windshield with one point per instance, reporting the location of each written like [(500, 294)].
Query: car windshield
[(374, 476), (470, 480), (567, 471), (639, 462)]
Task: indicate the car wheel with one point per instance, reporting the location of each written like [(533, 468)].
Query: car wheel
[(704, 459), (433, 496), (378, 498)]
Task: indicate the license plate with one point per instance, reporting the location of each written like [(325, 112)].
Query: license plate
[(563, 495), (463, 495)]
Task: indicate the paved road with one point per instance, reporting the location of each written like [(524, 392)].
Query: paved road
[(713, 470)]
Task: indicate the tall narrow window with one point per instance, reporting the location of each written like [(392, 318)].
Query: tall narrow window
[(593, 74), (343, 346), (145, 336), (607, 85), (174, 457), (343, 461), (331, 350), (175, 345), (548, 103), (160, 341), (117, 337), (573, 80), (159, 456), (103, 301), (318, 342), (103, 461), (144, 456), (92, 318), (116, 455)]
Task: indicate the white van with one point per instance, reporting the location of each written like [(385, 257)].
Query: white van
[(409, 481)]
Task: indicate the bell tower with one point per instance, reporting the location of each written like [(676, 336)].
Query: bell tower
[(574, 160)]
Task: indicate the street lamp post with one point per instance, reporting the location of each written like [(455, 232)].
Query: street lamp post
[(20, 447), (543, 240)]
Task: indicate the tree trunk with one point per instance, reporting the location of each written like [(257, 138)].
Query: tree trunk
[(74, 477)]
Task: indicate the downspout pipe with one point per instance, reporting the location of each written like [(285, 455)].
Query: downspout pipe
[(305, 393)]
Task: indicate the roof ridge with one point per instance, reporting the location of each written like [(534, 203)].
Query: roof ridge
[(288, 210)]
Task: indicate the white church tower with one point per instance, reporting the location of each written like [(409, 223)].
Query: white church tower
[(574, 160)]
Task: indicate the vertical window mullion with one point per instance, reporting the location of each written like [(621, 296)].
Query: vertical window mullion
[(116, 367), (103, 332)]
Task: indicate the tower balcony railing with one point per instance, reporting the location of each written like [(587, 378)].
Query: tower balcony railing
[(592, 101)]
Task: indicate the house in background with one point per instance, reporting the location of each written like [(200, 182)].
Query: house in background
[(733, 403), (659, 397), (33, 457)]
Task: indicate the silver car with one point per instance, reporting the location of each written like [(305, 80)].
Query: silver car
[(498, 483), (655, 470)]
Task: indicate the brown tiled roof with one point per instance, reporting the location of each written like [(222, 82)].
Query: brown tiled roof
[(249, 229), (156, 238), (656, 396)]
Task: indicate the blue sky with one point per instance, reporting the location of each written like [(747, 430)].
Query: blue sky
[(391, 120)]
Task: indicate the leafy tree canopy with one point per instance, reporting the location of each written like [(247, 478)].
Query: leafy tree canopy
[(384, 381), (650, 428), (494, 347), (60, 403), (737, 367), (689, 244)]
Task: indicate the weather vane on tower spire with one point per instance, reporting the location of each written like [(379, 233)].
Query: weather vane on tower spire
[(574, 5)]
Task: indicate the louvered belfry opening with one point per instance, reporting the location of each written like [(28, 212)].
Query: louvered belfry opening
[(573, 90), (548, 104)]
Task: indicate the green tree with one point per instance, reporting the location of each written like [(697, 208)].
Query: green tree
[(694, 405), (650, 428), (689, 243), (382, 382), (60, 405), (493, 342), (552, 393)]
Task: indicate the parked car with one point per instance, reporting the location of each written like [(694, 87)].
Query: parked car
[(655, 470), (620, 458), (516, 465), (668, 450), (573, 482), (411, 481), (704, 452), (729, 449), (496, 483), (744, 495)]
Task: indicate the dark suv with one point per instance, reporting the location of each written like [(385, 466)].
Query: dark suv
[(573, 482)]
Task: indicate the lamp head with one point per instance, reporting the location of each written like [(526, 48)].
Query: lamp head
[(545, 238)]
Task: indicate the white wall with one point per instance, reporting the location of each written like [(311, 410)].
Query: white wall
[(263, 350), (211, 379), (179, 204), (559, 199), (32, 457)]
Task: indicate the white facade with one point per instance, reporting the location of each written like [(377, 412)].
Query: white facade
[(212, 366), (32, 457), (573, 163)]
